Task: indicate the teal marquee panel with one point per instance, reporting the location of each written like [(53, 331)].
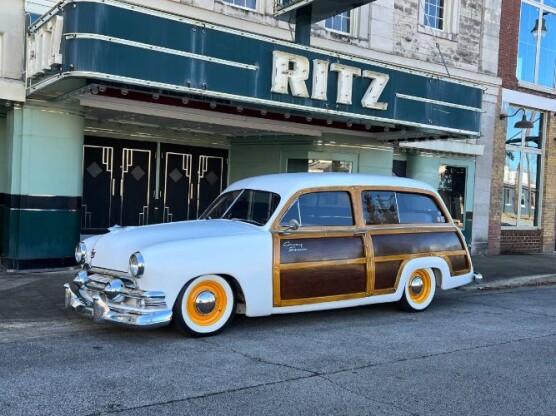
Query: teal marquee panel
[(110, 41)]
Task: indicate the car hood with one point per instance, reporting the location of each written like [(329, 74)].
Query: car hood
[(112, 251)]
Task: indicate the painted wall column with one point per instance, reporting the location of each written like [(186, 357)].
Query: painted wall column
[(42, 160), (3, 173), (423, 168)]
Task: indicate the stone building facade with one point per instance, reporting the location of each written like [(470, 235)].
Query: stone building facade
[(523, 197)]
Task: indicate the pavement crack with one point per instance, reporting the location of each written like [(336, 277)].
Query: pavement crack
[(363, 396), (262, 360), (311, 374), (197, 397), (439, 354)]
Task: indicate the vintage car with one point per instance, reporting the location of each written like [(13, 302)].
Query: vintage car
[(276, 244)]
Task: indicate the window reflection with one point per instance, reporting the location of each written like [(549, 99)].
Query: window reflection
[(522, 170), (529, 189), (537, 44), (547, 62), (510, 206), (527, 51)]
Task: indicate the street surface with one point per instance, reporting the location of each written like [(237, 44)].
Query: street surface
[(471, 353)]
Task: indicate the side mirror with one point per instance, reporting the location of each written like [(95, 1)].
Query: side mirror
[(293, 225)]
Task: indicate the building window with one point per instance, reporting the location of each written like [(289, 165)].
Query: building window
[(246, 4), (522, 171), (452, 190), (434, 14), (536, 61), (339, 23)]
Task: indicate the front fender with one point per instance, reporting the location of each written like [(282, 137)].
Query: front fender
[(247, 258)]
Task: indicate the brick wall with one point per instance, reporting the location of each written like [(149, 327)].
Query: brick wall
[(549, 197), (509, 241), (520, 241)]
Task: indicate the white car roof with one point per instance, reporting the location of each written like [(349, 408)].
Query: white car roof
[(286, 184)]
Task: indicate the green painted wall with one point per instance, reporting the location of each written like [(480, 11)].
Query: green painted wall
[(3, 154), (40, 234), (41, 155), (426, 168), (264, 157), (45, 152)]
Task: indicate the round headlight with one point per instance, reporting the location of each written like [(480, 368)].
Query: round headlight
[(136, 264), (80, 252)]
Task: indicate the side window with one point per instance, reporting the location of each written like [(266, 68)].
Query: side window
[(379, 207), (321, 209), (418, 209)]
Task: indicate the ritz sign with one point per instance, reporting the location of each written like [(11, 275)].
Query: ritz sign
[(289, 70)]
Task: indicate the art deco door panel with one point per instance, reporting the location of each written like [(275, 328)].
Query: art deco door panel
[(177, 187), (120, 182), (211, 180), (136, 186), (98, 188)]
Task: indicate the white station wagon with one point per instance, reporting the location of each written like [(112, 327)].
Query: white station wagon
[(276, 244)]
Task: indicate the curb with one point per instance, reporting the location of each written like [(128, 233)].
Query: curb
[(534, 280)]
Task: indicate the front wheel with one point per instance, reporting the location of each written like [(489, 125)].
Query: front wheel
[(419, 291), (205, 306)]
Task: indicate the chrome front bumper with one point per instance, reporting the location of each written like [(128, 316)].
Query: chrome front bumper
[(102, 311)]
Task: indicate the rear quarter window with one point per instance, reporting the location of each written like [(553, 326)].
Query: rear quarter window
[(390, 207), (418, 209)]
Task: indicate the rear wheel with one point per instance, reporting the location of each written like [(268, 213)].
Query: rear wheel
[(205, 306), (419, 291)]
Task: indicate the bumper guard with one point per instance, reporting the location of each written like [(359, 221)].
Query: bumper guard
[(101, 312)]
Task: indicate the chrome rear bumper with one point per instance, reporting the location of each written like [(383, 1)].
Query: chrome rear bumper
[(101, 312)]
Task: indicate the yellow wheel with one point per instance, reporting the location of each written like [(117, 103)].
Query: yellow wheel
[(205, 305), (419, 290)]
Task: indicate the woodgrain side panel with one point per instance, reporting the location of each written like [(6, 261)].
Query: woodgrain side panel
[(386, 274), (415, 243), (459, 263), (320, 249), (322, 281)]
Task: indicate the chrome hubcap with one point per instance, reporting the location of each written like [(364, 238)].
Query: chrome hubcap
[(416, 285), (205, 302)]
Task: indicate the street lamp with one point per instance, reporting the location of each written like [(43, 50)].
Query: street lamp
[(523, 123)]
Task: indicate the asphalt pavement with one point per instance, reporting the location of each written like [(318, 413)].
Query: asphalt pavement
[(470, 353), (37, 295)]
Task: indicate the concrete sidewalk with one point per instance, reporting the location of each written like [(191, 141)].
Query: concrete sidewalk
[(38, 296)]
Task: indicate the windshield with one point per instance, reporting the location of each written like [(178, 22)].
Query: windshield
[(255, 207)]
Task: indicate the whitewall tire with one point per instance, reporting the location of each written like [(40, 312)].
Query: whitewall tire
[(418, 291), (205, 306)]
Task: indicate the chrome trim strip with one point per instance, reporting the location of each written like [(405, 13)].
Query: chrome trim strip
[(202, 92), (110, 272), (150, 47), (200, 23), (443, 103)]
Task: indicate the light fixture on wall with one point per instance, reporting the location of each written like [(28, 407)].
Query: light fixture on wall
[(523, 123), (535, 31)]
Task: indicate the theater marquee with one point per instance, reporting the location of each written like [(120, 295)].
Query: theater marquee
[(112, 41)]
